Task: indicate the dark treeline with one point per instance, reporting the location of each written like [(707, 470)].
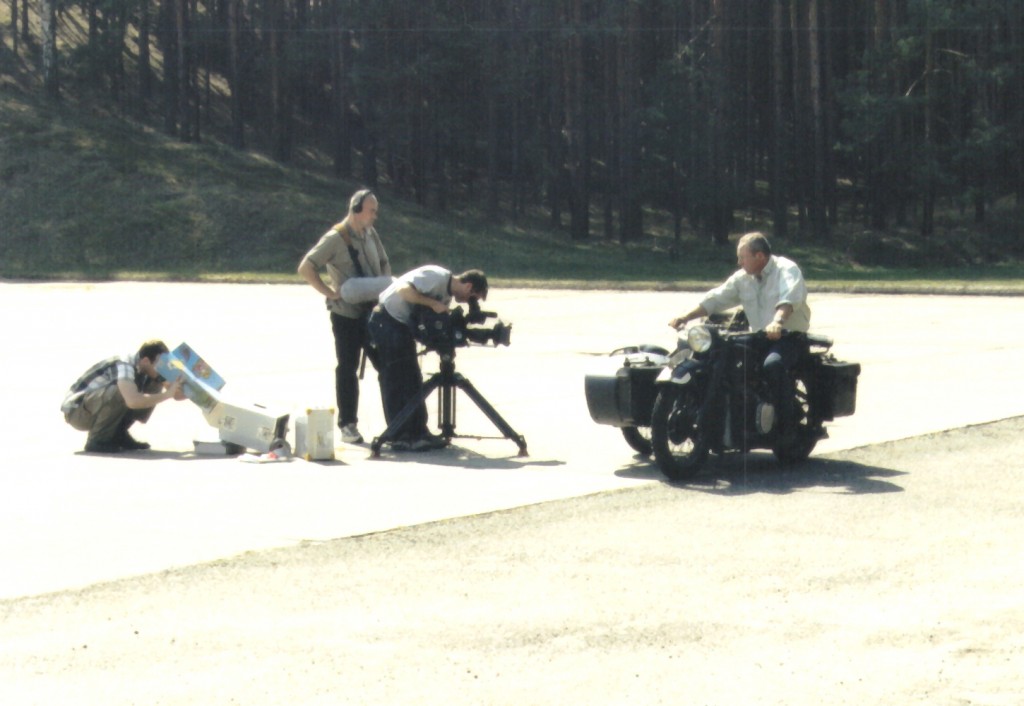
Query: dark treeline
[(814, 111)]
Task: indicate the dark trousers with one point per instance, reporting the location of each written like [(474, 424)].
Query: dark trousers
[(779, 362), (349, 339), (399, 372)]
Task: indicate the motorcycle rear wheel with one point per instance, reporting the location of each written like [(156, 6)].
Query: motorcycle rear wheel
[(638, 438), (679, 447)]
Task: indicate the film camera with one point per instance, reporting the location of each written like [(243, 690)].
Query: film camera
[(453, 329)]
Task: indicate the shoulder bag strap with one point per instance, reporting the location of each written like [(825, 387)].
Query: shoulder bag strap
[(352, 252)]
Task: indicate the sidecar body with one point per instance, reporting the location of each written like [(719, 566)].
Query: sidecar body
[(622, 393)]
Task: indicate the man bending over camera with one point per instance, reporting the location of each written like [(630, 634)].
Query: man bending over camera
[(391, 331)]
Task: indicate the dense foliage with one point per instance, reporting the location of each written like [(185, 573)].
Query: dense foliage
[(813, 111)]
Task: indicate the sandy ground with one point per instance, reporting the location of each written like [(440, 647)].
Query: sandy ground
[(888, 574), (878, 573)]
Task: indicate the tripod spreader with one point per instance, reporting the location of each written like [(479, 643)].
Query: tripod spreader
[(446, 381)]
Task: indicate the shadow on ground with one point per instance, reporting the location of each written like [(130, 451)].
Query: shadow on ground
[(743, 474), (458, 456), (151, 455)]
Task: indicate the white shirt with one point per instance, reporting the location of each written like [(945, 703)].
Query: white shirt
[(780, 282), (429, 280)]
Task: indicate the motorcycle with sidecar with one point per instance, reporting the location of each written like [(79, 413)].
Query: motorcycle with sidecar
[(710, 395)]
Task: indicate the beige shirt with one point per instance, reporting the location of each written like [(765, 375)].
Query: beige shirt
[(332, 253), (780, 282)]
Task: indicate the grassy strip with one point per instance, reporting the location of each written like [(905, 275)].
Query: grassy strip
[(94, 197), (910, 286)]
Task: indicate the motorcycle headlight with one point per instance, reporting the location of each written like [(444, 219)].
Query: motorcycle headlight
[(699, 339)]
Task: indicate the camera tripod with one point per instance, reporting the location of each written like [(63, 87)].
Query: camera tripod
[(446, 381)]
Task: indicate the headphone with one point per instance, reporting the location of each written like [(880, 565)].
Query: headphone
[(356, 204)]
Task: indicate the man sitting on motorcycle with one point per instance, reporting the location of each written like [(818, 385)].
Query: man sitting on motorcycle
[(773, 295)]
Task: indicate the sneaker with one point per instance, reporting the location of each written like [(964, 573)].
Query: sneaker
[(401, 445), (129, 443), (350, 434), (437, 441), (428, 443), (103, 446)]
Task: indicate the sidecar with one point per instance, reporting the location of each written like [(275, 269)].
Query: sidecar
[(621, 393)]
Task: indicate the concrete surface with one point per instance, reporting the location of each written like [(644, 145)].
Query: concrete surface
[(930, 363), (888, 574)]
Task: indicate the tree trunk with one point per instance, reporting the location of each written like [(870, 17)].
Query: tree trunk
[(928, 198), (799, 121), (574, 127), (14, 25), (720, 213), (630, 213), (1016, 34), (819, 220), (116, 32), (877, 192), (235, 73), (829, 36), (194, 61), (612, 172), (518, 47), (491, 60), (779, 216), (184, 90), (279, 104), (51, 77), (167, 40), (341, 127), (145, 60), (92, 16)]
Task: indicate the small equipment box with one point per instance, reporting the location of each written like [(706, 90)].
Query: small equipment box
[(838, 385), (249, 426), (314, 435)]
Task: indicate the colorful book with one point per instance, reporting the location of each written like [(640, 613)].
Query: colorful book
[(202, 382)]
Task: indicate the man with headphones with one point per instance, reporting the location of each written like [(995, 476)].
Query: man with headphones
[(348, 250)]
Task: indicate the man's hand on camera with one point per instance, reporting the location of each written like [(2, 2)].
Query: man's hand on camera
[(439, 307)]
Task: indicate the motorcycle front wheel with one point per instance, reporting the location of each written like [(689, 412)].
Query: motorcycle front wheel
[(676, 439), (638, 438)]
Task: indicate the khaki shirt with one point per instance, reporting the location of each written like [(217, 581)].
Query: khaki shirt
[(331, 253)]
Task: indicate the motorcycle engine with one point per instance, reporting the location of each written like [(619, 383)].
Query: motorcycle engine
[(764, 417)]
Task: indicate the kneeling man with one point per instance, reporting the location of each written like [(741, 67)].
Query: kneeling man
[(114, 394)]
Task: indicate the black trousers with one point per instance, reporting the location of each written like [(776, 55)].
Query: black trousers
[(400, 376), (349, 338)]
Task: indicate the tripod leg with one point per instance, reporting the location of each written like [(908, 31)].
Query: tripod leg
[(446, 408), (492, 414), (403, 416)]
